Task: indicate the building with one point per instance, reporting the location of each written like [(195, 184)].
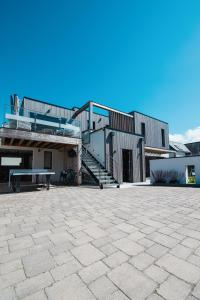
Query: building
[(178, 149), (194, 148), (177, 170), (108, 145)]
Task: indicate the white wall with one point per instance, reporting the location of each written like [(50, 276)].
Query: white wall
[(96, 145), (57, 161), (60, 159), (178, 164)]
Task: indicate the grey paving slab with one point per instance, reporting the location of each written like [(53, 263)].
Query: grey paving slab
[(85, 243)]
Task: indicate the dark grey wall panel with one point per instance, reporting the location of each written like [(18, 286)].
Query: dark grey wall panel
[(122, 140), (121, 122), (42, 107), (153, 130), (194, 148)]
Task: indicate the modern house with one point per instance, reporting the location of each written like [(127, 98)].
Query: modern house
[(109, 145), (178, 149)]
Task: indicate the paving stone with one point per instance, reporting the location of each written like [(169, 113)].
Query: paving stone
[(130, 281), (163, 239), (63, 257), (102, 287), (10, 266), (70, 267), (38, 263), (128, 246), (95, 232), (190, 233), (156, 273), (92, 272), (142, 261), (116, 259), (8, 294), (180, 268), (181, 251), (41, 234), (69, 288), (157, 250), (155, 297), (36, 296), (190, 243), (196, 291), (126, 227), (33, 285), (135, 236), (146, 243), (118, 295), (194, 259), (174, 289), (102, 241), (20, 243), (108, 249), (11, 279), (60, 238), (87, 254)]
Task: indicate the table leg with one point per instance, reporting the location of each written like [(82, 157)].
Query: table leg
[(18, 184), (48, 181)]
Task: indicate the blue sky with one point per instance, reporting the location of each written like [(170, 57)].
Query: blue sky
[(142, 55)]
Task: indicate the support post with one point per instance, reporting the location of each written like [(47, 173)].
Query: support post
[(91, 116)]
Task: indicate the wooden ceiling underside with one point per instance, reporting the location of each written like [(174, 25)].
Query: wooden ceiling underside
[(32, 143)]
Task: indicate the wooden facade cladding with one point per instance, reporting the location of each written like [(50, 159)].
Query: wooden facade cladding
[(153, 127), (123, 140), (121, 122)]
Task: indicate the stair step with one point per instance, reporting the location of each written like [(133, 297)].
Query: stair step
[(107, 181)]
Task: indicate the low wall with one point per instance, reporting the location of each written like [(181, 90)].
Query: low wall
[(178, 164)]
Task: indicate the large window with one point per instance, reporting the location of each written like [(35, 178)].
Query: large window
[(143, 131), (163, 137), (47, 160)]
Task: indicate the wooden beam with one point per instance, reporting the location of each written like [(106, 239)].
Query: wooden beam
[(28, 144), (37, 144), (38, 137), (11, 142), (20, 142)]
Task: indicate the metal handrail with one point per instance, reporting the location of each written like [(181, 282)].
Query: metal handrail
[(106, 164), (84, 150)]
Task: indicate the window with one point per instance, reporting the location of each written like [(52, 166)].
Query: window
[(143, 131), (163, 137), (11, 161), (47, 160), (94, 125)]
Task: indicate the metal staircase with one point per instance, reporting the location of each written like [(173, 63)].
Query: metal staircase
[(102, 177)]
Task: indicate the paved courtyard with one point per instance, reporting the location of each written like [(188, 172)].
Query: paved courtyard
[(80, 243)]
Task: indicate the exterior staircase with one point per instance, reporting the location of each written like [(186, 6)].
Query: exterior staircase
[(101, 176)]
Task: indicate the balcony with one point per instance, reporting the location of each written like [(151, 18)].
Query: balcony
[(40, 122)]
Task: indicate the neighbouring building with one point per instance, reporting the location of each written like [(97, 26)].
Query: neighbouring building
[(108, 145), (194, 148), (178, 149), (177, 170)]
